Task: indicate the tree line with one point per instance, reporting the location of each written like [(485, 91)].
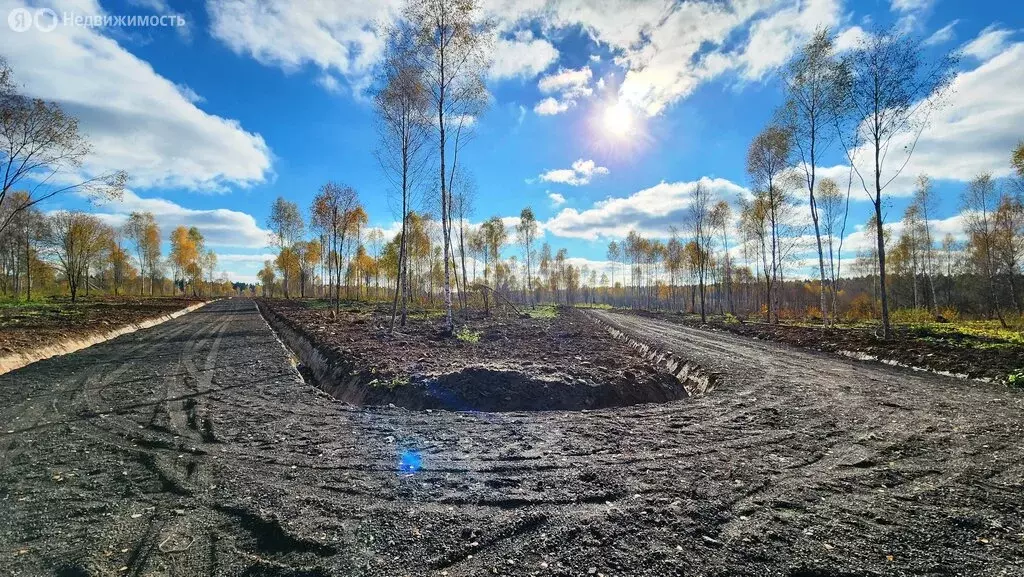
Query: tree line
[(42, 253), (724, 257)]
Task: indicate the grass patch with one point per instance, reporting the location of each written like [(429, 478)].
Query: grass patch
[(594, 306), (467, 336), (543, 312), (426, 314), (970, 334)]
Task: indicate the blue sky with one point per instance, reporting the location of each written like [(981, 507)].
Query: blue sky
[(252, 99)]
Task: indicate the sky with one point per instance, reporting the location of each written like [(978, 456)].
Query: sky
[(603, 113)]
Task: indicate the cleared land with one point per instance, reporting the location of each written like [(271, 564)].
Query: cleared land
[(554, 359), (194, 448), (974, 349), (26, 326)]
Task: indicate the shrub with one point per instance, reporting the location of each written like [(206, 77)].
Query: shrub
[(813, 314), (912, 316), (862, 308), (1016, 379), (467, 336), (950, 314)]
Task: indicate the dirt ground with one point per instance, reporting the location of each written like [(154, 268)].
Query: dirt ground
[(562, 362), (193, 448), (34, 325), (976, 357)]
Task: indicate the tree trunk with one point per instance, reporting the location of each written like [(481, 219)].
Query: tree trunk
[(28, 270), (880, 234)]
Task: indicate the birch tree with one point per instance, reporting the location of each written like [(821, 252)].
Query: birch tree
[(402, 108), (526, 234), (893, 88), (767, 160), (451, 49), (815, 86)]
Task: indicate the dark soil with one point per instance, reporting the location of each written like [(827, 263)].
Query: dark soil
[(955, 353), (35, 325), (567, 362), (193, 448)]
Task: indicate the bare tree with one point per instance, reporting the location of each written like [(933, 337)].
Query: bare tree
[(451, 49), (495, 236), (402, 108), (979, 203), (767, 160), (464, 188), (41, 143), (924, 207), (526, 233), (721, 216), (815, 83), (892, 89), (613, 255), (830, 199), (699, 216)]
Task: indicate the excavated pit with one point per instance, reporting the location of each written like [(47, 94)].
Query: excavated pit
[(498, 385), (694, 378)]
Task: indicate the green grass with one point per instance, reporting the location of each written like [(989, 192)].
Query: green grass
[(594, 306), (543, 312), (975, 334), (467, 336)]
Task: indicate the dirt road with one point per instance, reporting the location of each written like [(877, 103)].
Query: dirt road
[(193, 448)]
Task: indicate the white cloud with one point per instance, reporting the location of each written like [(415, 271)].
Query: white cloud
[(522, 56), (556, 199), (991, 41), (581, 173), (135, 119), (691, 45), (329, 83), (667, 48), (910, 5), (774, 40), (568, 83), (850, 39), (973, 132), (189, 94), (338, 37), (220, 226), (567, 86), (650, 212), (942, 35), (550, 106)]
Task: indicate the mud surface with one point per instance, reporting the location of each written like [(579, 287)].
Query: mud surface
[(31, 326), (566, 362), (975, 357), (192, 448)]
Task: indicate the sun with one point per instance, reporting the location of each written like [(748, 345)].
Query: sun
[(618, 120)]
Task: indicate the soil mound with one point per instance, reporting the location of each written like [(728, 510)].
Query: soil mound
[(564, 363)]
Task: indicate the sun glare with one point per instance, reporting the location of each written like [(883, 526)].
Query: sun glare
[(618, 120)]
